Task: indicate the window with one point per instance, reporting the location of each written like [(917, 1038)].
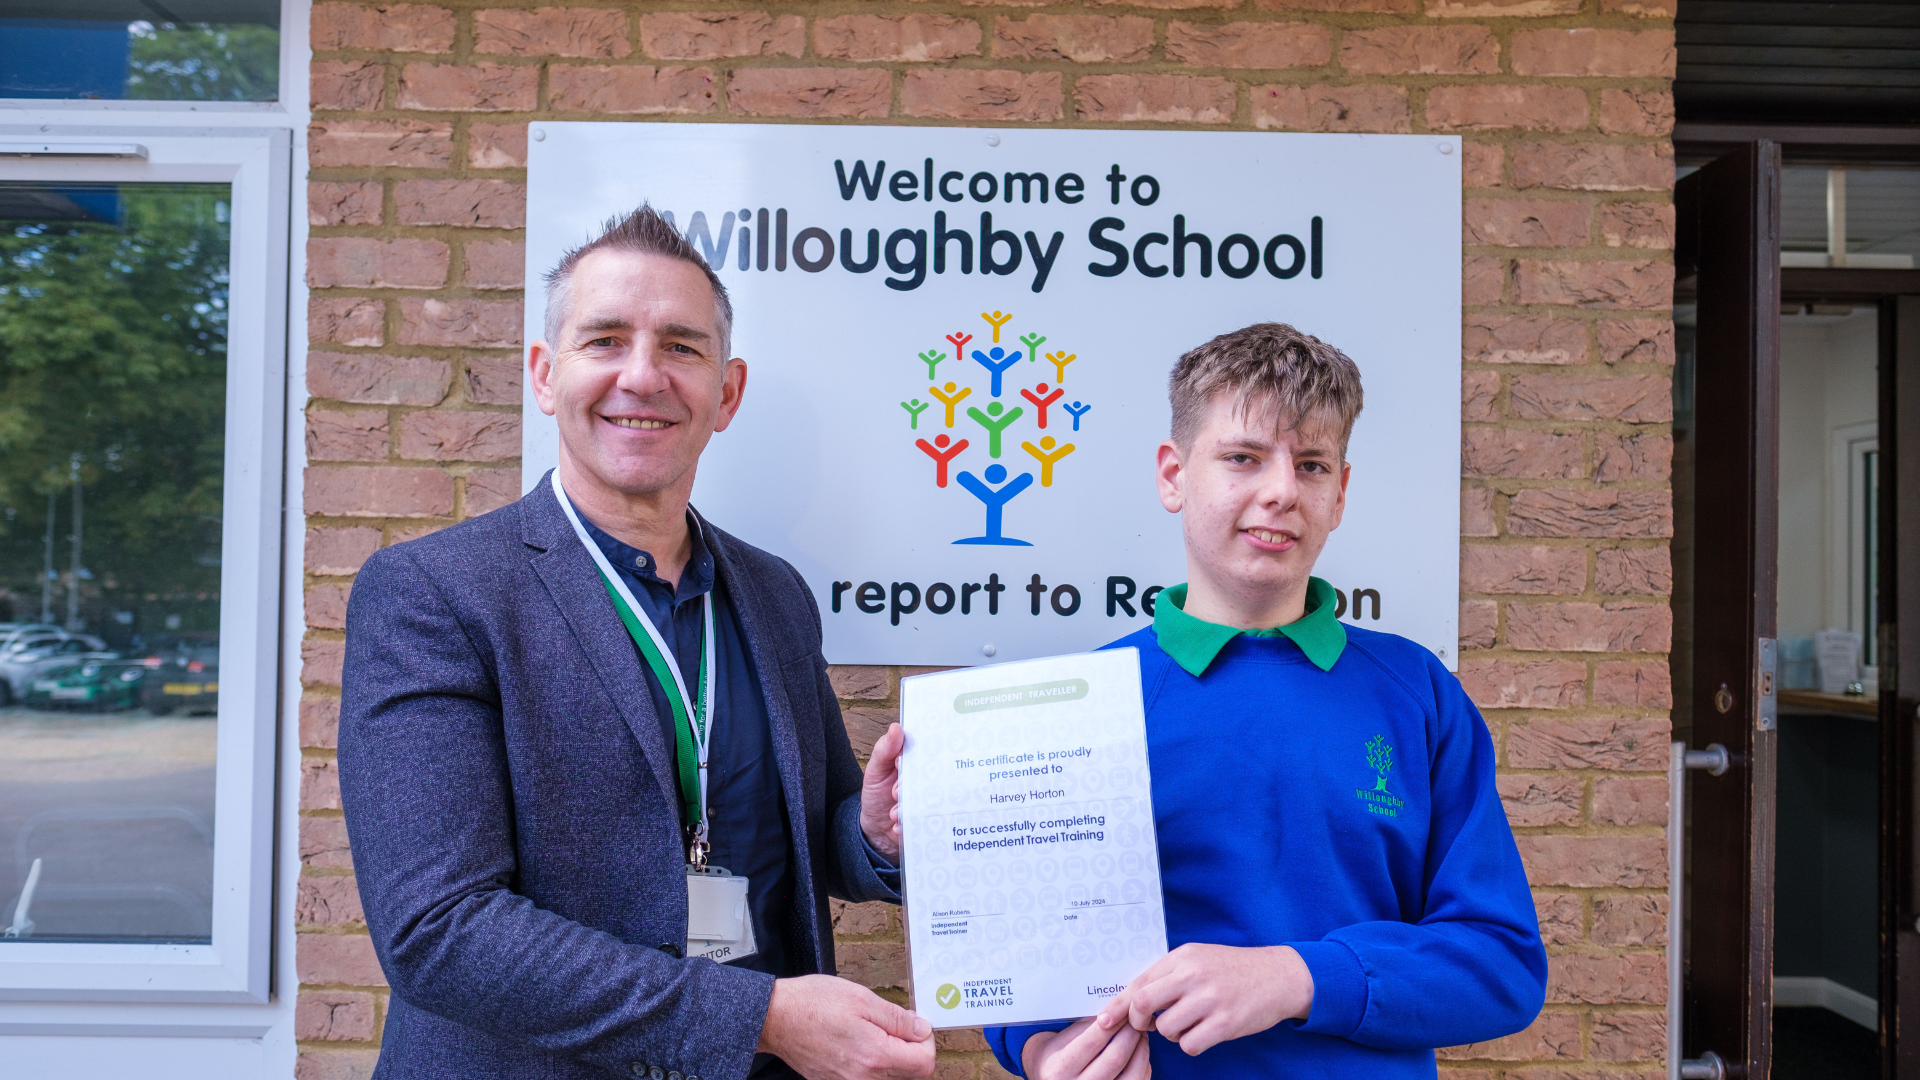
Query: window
[(104, 50)]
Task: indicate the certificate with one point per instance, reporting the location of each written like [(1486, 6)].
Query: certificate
[(1026, 815)]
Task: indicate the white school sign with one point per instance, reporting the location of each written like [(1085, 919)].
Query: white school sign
[(958, 343)]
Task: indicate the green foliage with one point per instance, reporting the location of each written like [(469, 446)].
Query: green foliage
[(113, 348), (204, 62), (1379, 755)]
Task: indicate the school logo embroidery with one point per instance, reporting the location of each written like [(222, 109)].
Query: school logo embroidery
[(996, 368), (1378, 799)]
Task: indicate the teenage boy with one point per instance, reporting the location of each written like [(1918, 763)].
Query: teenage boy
[(1343, 894)]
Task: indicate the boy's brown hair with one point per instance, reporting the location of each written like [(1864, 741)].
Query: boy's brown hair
[(1266, 365)]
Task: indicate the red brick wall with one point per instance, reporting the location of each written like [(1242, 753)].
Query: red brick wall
[(417, 205)]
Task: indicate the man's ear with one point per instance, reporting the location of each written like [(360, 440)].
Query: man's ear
[(540, 375), (1169, 473), (733, 389)]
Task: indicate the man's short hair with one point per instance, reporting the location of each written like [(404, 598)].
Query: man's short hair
[(1266, 366), (643, 232)]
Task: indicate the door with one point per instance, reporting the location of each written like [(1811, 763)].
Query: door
[(1899, 592), (1729, 238)]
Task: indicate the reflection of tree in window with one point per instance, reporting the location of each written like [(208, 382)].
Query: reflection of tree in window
[(204, 62), (113, 347)]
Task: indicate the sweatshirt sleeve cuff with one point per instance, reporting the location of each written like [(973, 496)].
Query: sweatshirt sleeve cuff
[(1339, 988), (1009, 1044)]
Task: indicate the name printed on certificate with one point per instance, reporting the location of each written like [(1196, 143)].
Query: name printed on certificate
[(1032, 879)]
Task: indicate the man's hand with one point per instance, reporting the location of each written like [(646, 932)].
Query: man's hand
[(1203, 995), (830, 1029), (880, 794), (1098, 1048)]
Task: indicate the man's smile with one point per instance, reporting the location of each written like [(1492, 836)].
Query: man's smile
[(637, 423)]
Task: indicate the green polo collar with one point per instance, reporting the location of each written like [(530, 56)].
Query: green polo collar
[(1193, 643)]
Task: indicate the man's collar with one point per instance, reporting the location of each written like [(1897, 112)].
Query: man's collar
[(698, 576), (1193, 643)]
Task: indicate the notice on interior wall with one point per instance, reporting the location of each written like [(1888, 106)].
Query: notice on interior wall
[(958, 343)]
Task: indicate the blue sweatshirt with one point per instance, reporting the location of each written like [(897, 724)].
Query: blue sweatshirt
[(1332, 788)]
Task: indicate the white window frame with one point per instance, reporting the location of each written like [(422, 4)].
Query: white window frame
[(235, 966)]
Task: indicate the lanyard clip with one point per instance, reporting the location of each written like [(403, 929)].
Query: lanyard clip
[(697, 849)]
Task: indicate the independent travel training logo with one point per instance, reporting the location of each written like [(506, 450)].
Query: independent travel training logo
[(996, 401)]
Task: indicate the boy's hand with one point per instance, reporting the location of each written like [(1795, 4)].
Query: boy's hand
[(1097, 1048), (1203, 995)]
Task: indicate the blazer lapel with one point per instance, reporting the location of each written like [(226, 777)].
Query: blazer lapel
[(573, 582)]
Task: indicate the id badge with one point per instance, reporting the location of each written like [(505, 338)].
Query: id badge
[(718, 924)]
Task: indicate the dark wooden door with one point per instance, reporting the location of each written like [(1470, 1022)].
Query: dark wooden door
[(1898, 549), (1729, 217)]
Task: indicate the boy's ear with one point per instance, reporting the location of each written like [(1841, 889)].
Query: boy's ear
[(1169, 473)]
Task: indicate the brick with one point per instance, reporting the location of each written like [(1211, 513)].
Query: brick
[(1420, 50), (1083, 39), (860, 681), (1166, 99), (497, 146), (496, 264), (327, 901), (551, 31), (865, 725), (493, 380), (859, 920), (1637, 225), (1630, 920), (347, 85), (1265, 45), (1620, 745), (1630, 1036), (346, 320), (1523, 339), (346, 435), (1643, 285), (343, 204), (713, 35), (1630, 802), (1638, 399), (460, 436), (1166, 5), (1553, 1035), (372, 379), (631, 90), (1515, 452), (961, 1039), (1391, 7), (1636, 112), (966, 94), (1524, 223), (366, 490), (908, 38), (364, 262), (1541, 800), (468, 88), (333, 1016), (1479, 623), (873, 964), (319, 784), (1646, 9), (331, 1064), (1643, 684), (1524, 684), (1482, 164), (1500, 9), (1615, 626), (1488, 107), (473, 204), (339, 551), (1635, 341), (323, 843), (337, 959), (321, 660), (320, 722), (1522, 569), (326, 606), (382, 28), (1593, 52), (403, 533), (1633, 570), (485, 324), (1331, 108), (1476, 513), (1482, 279), (1583, 978), (1595, 862), (1478, 389), (407, 144), (490, 489), (1594, 166), (1646, 456), (846, 93), (1561, 922)]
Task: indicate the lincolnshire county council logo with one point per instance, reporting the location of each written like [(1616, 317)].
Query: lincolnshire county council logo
[(1378, 799), (997, 369), (948, 996)]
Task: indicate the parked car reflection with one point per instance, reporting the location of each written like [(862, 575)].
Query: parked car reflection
[(31, 655)]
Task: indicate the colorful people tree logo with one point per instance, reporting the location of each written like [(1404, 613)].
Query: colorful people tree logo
[(993, 420)]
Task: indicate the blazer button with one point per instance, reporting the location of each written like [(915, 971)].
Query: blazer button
[(671, 1075), (656, 1073), (638, 1068), (670, 949)]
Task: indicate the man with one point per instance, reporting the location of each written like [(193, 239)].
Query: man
[(560, 720)]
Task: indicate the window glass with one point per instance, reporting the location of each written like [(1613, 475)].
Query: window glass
[(113, 310), (179, 50)]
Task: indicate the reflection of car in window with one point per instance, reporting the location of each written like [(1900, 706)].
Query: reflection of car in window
[(187, 679), (99, 684), (31, 655)]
